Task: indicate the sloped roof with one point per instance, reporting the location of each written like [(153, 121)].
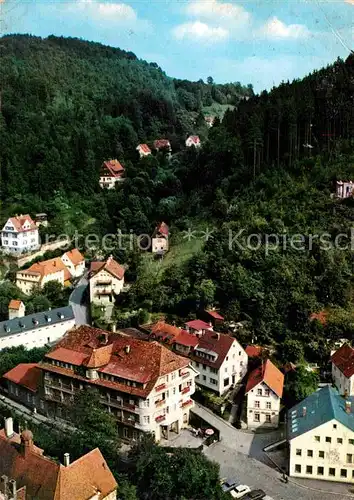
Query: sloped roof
[(109, 265), (172, 334), (270, 375), (162, 143), (144, 148), (214, 314), (321, 407), (162, 228), (75, 256), (15, 304), (114, 168), (20, 220), (254, 351), (144, 362), (45, 479), (198, 324), (51, 266), (212, 342), (343, 359), (194, 138), (27, 375)]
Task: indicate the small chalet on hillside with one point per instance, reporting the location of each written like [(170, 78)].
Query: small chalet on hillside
[(111, 172), (143, 150), (162, 144), (193, 140), (159, 243), (344, 189)]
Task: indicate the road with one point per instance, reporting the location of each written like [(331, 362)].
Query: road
[(78, 300)]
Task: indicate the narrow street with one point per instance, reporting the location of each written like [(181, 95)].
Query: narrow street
[(78, 301)]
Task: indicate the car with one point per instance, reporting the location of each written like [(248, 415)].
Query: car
[(230, 484), (254, 495), (240, 491)]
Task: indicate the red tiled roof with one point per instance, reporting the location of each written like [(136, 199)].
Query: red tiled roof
[(198, 324), (254, 351), (75, 256), (343, 359), (162, 229), (145, 361), (194, 138), (187, 339), (144, 148), (20, 220), (109, 265), (216, 342), (112, 168), (100, 357), (270, 375), (162, 143), (45, 479), (215, 315), (15, 304), (320, 316), (172, 334), (51, 266), (26, 374)]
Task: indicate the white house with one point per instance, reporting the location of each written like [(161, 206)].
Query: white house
[(17, 309), (320, 431), (159, 241), (162, 144), (344, 189), (38, 329), (193, 140), (106, 281), (343, 369), (264, 390), (75, 262), (143, 150), (144, 385), (19, 235), (220, 361), (111, 172)]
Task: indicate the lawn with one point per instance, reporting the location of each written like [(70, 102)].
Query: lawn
[(217, 110)]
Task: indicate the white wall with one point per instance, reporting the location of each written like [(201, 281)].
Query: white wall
[(26, 282), (263, 405), (115, 286), (341, 382), (75, 271), (335, 452), (13, 241), (159, 244), (37, 337)]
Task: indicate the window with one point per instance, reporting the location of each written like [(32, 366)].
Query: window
[(309, 453), (125, 432), (256, 417), (256, 404), (226, 381), (308, 469), (298, 452), (227, 357), (334, 426), (298, 468), (351, 441), (332, 471), (213, 381), (268, 405), (268, 419), (328, 439), (225, 369), (343, 473), (267, 392), (349, 458), (146, 420), (321, 454), (317, 438), (320, 471), (259, 392), (339, 440)]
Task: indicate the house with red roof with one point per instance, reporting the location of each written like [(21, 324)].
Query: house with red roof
[(344, 189), (159, 241), (213, 316), (343, 369), (178, 339), (22, 384), (106, 280), (193, 140), (145, 385), (162, 144), (20, 235), (75, 262), (111, 172), (16, 308), (28, 474), (264, 390), (143, 150), (198, 327)]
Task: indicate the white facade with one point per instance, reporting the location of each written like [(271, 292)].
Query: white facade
[(17, 312), (159, 244), (344, 189), (326, 452), (27, 280), (343, 384), (193, 141), (104, 286), (76, 270), (263, 407), (231, 371), (143, 150), (19, 240), (109, 182)]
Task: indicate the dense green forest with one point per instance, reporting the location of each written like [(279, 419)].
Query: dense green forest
[(267, 168)]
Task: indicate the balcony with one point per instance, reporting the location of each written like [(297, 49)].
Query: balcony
[(160, 387), (187, 403), (55, 398), (185, 374), (185, 390), (159, 403), (103, 283), (125, 420), (160, 418), (119, 404), (105, 291)]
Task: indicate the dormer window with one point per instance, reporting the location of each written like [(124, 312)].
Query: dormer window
[(20, 324), (35, 321), (48, 318), (61, 315), (7, 328)]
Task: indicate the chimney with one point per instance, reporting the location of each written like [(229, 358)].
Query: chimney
[(348, 406), (4, 483), (304, 411), (26, 442), (12, 490), (66, 459), (9, 427), (127, 349)]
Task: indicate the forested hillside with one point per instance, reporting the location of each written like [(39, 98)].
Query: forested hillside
[(68, 104)]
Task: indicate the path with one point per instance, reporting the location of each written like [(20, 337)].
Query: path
[(78, 300)]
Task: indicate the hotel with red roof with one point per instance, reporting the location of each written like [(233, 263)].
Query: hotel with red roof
[(146, 386)]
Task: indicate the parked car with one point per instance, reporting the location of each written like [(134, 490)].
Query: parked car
[(240, 491), (254, 495), (230, 484)]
